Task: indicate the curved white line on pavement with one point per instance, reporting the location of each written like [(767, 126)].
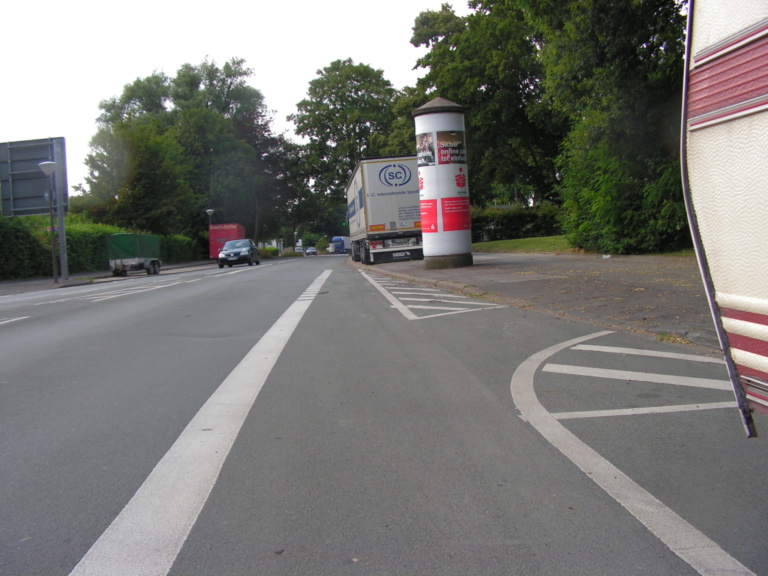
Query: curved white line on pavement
[(148, 534), (701, 553)]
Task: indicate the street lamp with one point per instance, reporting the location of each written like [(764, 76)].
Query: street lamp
[(48, 168), (210, 215)]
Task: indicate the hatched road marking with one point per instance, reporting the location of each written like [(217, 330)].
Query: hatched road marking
[(404, 298), (691, 545)]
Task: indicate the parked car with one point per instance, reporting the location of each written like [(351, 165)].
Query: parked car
[(311, 251), (238, 252)]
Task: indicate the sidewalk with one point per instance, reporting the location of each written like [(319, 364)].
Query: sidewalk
[(660, 296)]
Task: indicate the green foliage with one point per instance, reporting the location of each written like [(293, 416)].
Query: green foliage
[(615, 70), (488, 62), (346, 117), (178, 248), (23, 255), (510, 222), (322, 245), (167, 149), (525, 245), (87, 245)]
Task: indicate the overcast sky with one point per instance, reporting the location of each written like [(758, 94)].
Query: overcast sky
[(61, 58)]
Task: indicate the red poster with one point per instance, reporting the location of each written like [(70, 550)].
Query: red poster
[(428, 216), (455, 214)]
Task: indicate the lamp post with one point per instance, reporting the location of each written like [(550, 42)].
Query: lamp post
[(210, 215), (48, 168)]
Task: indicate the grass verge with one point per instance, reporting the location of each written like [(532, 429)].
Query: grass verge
[(543, 244)]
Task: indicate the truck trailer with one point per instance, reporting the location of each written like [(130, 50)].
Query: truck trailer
[(340, 245), (383, 210)]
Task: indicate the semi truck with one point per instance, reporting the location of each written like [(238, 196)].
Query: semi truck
[(340, 245), (383, 210), (132, 252)]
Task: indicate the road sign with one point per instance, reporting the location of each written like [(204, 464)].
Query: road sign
[(23, 186)]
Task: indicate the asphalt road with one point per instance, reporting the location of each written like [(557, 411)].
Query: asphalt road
[(306, 416)]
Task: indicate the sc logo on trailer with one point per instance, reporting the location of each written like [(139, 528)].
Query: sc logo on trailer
[(395, 175)]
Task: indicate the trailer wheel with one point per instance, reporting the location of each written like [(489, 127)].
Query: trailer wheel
[(155, 267)]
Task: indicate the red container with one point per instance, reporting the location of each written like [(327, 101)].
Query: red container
[(220, 234)]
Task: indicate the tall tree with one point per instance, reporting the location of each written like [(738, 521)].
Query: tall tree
[(614, 68), (346, 116), (168, 148), (488, 61)]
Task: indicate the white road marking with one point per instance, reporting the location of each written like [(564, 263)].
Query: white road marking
[(128, 292), (643, 411), (9, 320), (426, 296), (149, 533), (695, 548), (638, 376), (653, 353), (392, 300)]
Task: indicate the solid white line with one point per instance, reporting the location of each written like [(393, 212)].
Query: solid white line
[(447, 301), (130, 291), (652, 353), (9, 320), (701, 553), (148, 534), (638, 376), (392, 300), (424, 293), (643, 411)]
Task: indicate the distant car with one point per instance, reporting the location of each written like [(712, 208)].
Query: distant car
[(238, 252), (311, 251)]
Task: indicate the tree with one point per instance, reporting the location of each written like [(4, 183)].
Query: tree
[(346, 116), (488, 62), (168, 148), (615, 69)]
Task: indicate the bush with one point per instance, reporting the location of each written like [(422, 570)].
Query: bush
[(23, 255), (513, 222), (269, 252), (177, 248), (87, 246)]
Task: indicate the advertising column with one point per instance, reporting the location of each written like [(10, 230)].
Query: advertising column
[(443, 185)]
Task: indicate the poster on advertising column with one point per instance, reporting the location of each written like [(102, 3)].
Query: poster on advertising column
[(425, 150), (451, 148), (455, 212)]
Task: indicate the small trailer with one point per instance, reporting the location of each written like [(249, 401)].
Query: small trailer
[(132, 252)]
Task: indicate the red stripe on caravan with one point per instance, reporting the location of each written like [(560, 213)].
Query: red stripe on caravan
[(752, 317), (746, 371), (729, 81), (747, 344)]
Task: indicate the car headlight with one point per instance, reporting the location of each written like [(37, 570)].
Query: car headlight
[(222, 255)]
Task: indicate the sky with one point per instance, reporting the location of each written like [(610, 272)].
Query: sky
[(62, 58)]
